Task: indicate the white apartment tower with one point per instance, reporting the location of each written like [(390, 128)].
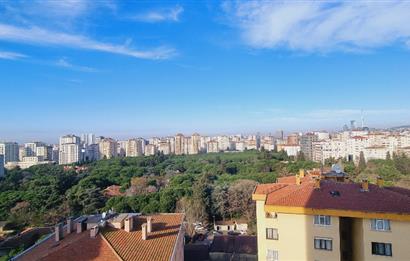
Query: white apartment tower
[(69, 149)]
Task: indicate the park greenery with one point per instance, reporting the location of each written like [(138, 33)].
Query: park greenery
[(204, 186)]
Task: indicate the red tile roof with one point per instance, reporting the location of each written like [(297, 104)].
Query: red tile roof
[(382, 200), (113, 244), (160, 243)]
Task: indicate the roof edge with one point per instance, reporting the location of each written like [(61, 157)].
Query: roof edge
[(338, 212)]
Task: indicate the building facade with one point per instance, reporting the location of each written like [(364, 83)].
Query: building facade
[(10, 150), (315, 218)]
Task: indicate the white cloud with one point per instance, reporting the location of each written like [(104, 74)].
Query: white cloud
[(321, 25), (63, 62), (40, 36), (161, 15), (11, 55)]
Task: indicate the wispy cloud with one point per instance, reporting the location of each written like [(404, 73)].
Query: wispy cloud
[(63, 62), (11, 55), (40, 36), (161, 15), (321, 25)]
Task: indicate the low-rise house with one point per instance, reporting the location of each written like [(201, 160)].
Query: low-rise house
[(240, 226), (126, 237)]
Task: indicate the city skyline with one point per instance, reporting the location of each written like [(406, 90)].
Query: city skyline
[(155, 69)]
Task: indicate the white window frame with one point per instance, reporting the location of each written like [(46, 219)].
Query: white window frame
[(272, 255), (273, 233), (321, 220), (380, 225), (325, 241)]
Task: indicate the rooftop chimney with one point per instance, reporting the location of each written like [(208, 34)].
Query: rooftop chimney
[(129, 224), (298, 180), (149, 224), (301, 173), (81, 225), (94, 231), (365, 185), (380, 182), (59, 233), (144, 231), (317, 183), (70, 225)]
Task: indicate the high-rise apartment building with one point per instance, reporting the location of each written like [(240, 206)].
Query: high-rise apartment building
[(22, 152), (31, 148), (108, 148), (179, 144), (150, 149), (293, 139), (134, 148), (44, 151), (69, 149), (1, 165), (164, 147), (10, 150), (306, 145), (195, 143), (88, 138), (121, 148), (212, 146)]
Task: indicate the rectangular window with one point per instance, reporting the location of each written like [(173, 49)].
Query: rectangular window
[(322, 220), (272, 255), (323, 243), (381, 249), (380, 224), (272, 233)]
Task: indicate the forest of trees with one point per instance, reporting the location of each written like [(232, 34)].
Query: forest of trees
[(204, 186)]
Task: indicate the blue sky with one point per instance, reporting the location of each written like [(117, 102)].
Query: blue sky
[(145, 68)]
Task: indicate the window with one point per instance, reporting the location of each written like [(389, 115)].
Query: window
[(323, 243), (381, 249), (322, 220), (381, 224), (272, 233), (272, 255)]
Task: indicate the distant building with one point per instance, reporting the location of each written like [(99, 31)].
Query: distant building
[(121, 148), (1, 165), (306, 145), (44, 151), (293, 139), (164, 147), (134, 148), (150, 149), (88, 139), (179, 144), (107, 148), (10, 150), (212, 146), (69, 149), (31, 148), (195, 143)]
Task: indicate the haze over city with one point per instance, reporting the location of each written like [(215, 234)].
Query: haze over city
[(155, 69)]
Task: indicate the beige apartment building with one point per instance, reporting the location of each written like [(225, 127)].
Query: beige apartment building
[(327, 217), (108, 148)]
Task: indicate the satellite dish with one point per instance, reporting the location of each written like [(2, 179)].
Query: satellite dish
[(336, 168)]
